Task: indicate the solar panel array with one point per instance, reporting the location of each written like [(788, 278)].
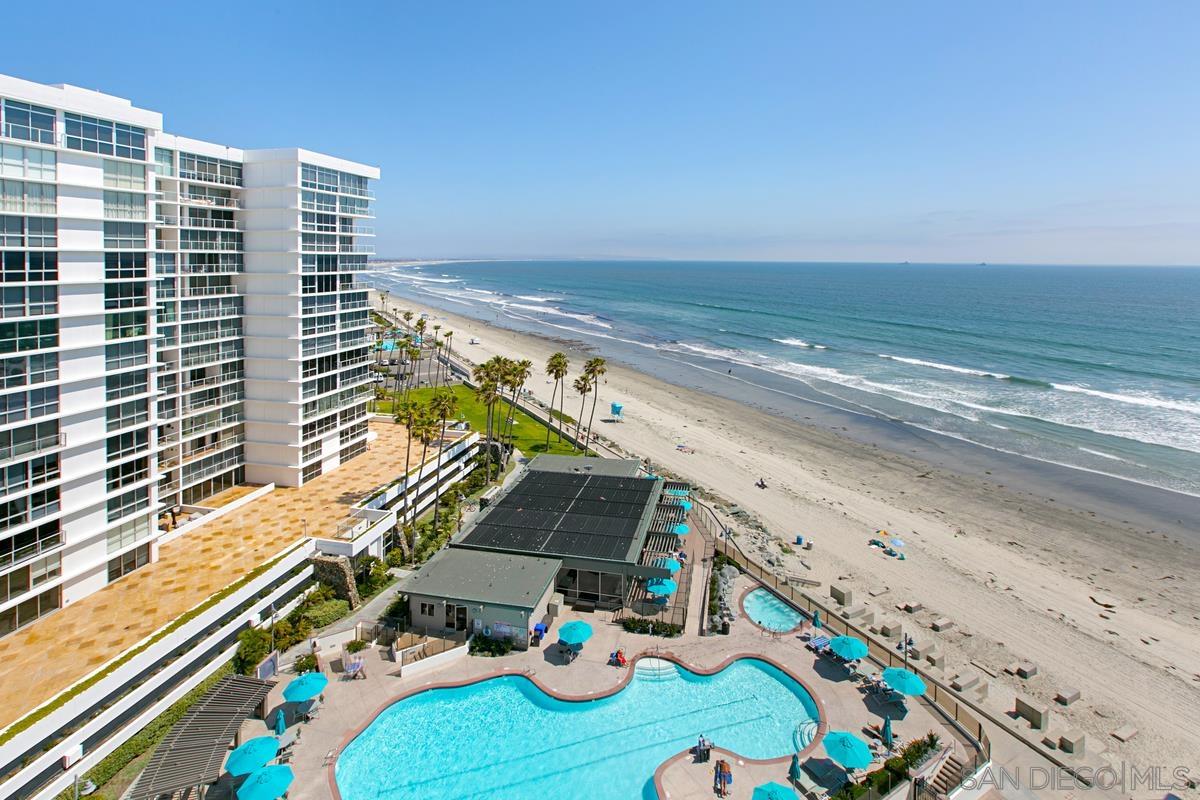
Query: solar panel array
[(566, 514)]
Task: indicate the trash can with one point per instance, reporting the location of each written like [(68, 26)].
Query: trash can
[(725, 627)]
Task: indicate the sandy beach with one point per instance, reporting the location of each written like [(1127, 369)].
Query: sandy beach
[(1098, 602)]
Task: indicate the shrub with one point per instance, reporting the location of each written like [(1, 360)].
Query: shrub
[(254, 644), (897, 765), (305, 663), (356, 646), (395, 557), (327, 613), (487, 646), (652, 627)]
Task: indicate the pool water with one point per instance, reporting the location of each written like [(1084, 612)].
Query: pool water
[(770, 612), (505, 738)]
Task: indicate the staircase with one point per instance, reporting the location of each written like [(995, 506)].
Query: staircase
[(804, 734), (658, 670), (947, 778)]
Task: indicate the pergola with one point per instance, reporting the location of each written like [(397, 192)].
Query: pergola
[(191, 755)]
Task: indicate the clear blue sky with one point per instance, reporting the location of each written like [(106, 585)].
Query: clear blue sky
[(951, 131)]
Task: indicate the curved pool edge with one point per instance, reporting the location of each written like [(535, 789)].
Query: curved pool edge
[(509, 672), (760, 586)]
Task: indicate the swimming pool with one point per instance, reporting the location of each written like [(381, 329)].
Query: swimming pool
[(505, 738), (770, 612)]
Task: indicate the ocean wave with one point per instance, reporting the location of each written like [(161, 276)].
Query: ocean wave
[(477, 291), (1149, 401), (1102, 455), (945, 367), (587, 319), (423, 279), (534, 298), (1028, 382), (800, 343)]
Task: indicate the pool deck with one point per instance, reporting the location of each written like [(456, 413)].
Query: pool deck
[(102, 625), (350, 705)]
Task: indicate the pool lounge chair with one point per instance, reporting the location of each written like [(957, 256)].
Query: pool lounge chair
[(818, 644)]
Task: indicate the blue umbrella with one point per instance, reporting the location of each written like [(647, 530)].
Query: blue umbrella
[(682, 530), (575, 632), (904, 681), (280, 723), (305, 687), (670, 564), (847, 749), (897, 543), (267, 783), (661, 587), (816, 618), (795, 772), (252, 755), (848, 648), (773, 791), (686, 505), (887, 732)]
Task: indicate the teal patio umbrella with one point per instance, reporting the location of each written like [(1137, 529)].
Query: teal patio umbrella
[(267, 783), (773, 791), (305, 687), (661, 587), (794, 769), (848, 648), (847, 749), (280, 723), (816, 617), (252, 755), (686, 505), (669, 564), (887, 732), (574, 633), (682, 530), (904, 681)]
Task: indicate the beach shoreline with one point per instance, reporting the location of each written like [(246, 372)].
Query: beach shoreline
[(1022, 575)]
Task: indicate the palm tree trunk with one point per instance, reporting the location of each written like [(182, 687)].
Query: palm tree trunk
[(591, 419), (553, 392), (562, 409), (437, 487), (579, 422), (413, 504), (487, 449)]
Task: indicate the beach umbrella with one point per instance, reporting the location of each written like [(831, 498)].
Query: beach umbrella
[(847, 749), (887, 732), (252, 755), (848, 648), (575, 632), (794, 770), (305, 687), (267, 783), (661, 587), (773, 791), (897, 542), (904, 681), (280, 723), (670, 564), (686, 505), (817, 618), (682, 530)]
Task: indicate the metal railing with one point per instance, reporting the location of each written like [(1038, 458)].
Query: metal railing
[(32, 447)]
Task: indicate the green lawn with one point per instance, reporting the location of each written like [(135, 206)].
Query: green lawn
[(529, 435)]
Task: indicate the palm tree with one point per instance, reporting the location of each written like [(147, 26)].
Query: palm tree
[(486, 393), (595, 369), (424, 428), (413, 355), (443, 406), (518, 372), (556, 367), (447, 336), (407, 413), (582, 385), (437, 352)]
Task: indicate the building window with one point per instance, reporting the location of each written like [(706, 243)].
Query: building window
[(427, 609), (124, 236), (27, 162), (122, 565), (118, 266), (127, 444), (124, 505), (39, 334), (42, 231), (28, 198), (126, 384), (127, 474), (29, 267), (124, 205), (93, 135), (317, 201), (27, 370), (31, 123), (29, 611), (127, 414), (124, 295), (213, 170), (164, 161), (126, 325), (125, 354), (127, 533), (123, 175)]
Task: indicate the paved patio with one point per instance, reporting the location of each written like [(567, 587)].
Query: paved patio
[(93, 630), (351, 704)]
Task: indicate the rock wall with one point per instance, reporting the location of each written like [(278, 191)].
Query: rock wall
[(336, 571)]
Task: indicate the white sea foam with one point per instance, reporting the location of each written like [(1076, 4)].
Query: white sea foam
[(536, 298), (1102, 455), (800, 343), (423, 279), (586, 319), (1150, 401), (946, 367)]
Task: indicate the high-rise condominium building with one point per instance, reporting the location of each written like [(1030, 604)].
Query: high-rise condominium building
[(178, 317)]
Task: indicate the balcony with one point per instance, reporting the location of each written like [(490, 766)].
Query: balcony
[(224, 398), (207, 291), (215, 447), (32, 447), (218, 246), (206, 222), (202, 200), (26, 133), (204, 359), (209, 177), (212, 380)]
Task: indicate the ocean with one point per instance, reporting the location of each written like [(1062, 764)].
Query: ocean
[(1096, 368)]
